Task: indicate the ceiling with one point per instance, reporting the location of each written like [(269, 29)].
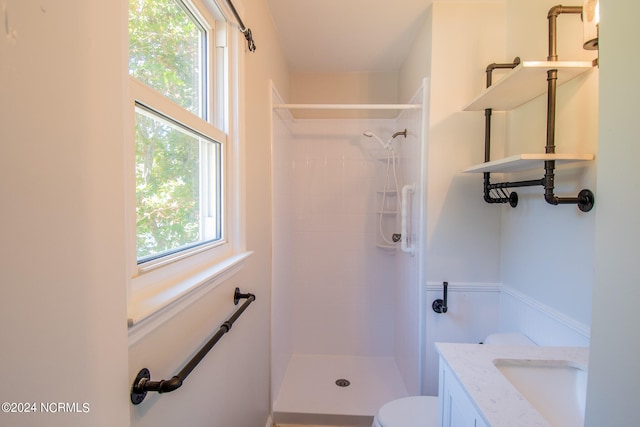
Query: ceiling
[(347, 35)]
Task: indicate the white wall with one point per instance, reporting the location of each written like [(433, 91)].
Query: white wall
[(63, 305), (63, 297), (417, 65), (463, 232), (545, 248), (358, 87), (615, 343)]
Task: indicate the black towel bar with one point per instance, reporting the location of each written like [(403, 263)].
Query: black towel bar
[(142, 384)]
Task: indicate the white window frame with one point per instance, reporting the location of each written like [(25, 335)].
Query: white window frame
[(160, 288)]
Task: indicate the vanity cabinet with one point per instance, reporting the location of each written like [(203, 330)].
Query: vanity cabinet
[(457, 409)]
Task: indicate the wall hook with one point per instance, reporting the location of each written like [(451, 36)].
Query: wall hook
[(440, 305)]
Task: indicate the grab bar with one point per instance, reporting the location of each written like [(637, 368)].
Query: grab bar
[(142, 384), (404, 229)]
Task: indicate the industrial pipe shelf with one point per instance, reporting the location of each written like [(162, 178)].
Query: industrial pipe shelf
[(525, 82)]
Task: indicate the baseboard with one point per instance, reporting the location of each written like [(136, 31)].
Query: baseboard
[(464, 287)]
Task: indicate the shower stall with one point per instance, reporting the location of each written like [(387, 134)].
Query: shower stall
[(347, 300)]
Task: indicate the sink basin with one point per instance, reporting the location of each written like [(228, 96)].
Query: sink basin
[(555, 388)]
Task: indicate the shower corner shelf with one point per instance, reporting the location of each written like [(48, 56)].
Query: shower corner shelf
[(386, 247), (526, 81), (384, 158)]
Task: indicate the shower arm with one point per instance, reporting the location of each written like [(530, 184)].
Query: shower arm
[(403, 133)]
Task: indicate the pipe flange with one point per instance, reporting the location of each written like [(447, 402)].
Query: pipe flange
[(137, 389), (586, 200), (438, 306), (513, 199)]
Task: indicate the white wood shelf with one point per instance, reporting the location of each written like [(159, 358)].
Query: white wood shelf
[(525, 82), (523, 162)]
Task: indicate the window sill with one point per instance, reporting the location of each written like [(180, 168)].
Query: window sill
[(147, 313)]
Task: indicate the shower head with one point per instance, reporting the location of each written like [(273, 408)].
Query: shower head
[(370, 134)]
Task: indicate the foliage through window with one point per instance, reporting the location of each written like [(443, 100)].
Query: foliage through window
[(178, 168), (167, 48)]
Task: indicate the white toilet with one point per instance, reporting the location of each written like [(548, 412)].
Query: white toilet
[(414, 411), (422, 411)]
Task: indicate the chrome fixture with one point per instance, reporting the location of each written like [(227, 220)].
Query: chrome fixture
[(403, 133)]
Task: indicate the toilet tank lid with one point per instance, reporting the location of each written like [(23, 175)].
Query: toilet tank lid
[(406, 412), (510, 338)]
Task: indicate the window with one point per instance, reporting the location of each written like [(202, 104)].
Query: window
[(178, 196), (183, 167), (178, 192)]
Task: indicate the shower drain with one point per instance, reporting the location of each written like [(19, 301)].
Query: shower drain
[(342, 382)]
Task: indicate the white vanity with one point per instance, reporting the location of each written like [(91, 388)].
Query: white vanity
[(512, 386)]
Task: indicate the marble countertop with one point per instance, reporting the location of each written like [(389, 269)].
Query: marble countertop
[(498, 401)]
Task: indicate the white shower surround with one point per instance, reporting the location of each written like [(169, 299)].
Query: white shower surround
[(335, 293), (342, 282)]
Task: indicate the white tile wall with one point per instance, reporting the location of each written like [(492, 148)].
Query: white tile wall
[(343, 284)]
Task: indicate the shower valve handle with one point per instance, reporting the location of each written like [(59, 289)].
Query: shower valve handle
[(440, 305)]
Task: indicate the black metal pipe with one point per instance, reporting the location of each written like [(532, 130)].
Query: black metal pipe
[(516, 184), (243, 28), (550, 146), (552, 80), (487, 136), (224, 328), (143, 384), (552, 16), (585, 199), (495, 66)]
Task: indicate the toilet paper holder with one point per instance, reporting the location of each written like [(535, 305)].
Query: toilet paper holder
[(440, 305)]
